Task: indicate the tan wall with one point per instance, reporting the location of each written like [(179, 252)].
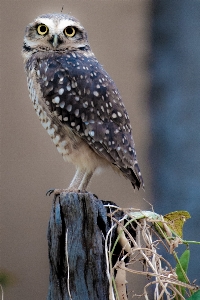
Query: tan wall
[(119, 34)]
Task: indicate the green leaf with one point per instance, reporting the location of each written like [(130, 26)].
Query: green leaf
[(182, 267), (144, 214), (176, 219), (184, 261), (195, 296)]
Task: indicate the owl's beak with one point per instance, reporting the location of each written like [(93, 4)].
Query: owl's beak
[(55, 41)]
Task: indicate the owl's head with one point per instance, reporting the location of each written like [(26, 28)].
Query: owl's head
[(54, 32)]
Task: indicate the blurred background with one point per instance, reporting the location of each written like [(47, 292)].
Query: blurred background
[(152, 51)]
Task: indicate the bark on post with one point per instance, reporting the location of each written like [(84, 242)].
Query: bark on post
[(77, 228)]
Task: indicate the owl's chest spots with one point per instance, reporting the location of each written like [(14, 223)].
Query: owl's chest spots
[(62, 138), (62, 141), (71, 147)]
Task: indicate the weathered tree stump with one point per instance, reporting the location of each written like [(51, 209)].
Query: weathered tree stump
[(76, 235)]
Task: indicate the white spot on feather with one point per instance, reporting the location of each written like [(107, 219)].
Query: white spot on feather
[(61, 91), (96, 93), (56, 139), (56, 99), (114, 115), (91, 133), (62, 104), (51, 131), (77, 98), (69, 87), (69, 107), (76, 112)]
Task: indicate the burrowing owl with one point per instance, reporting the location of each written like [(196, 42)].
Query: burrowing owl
[(76, 100)]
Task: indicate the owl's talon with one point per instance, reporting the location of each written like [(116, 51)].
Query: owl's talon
[(49, 192)]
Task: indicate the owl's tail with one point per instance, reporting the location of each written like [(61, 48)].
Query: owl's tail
[(134, 175), (136, 178)]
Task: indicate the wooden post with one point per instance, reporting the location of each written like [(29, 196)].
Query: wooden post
[(76, 235)]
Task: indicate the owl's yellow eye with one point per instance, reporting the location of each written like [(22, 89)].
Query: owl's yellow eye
[(42, 29), (70, 31)]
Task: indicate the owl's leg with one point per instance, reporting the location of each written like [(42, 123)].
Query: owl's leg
[(85, 181), (76, 181), (79, 183)]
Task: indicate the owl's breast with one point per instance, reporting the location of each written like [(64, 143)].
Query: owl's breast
[(69, 145), (63, 138)]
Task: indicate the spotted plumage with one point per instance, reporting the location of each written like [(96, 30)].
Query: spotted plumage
[(76, 100)]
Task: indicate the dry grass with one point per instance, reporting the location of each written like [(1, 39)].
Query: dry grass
[(141, 238)]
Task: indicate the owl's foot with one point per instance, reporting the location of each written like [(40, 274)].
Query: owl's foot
[(49, 192)]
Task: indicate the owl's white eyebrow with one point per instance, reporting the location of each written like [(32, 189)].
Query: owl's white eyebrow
[(62, 24), (48, 22)]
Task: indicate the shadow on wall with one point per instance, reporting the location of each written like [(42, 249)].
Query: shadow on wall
[(175, 110)]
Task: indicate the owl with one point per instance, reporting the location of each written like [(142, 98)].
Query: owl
[(76, 101)]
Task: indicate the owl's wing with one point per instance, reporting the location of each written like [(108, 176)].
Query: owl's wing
[(85, 98)]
